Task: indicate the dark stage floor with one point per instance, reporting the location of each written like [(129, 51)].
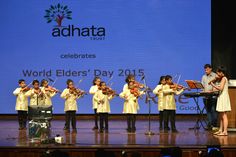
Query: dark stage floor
[(117, 136)]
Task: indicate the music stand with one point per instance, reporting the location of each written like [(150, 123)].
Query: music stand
[(197, 85), (194, 84)]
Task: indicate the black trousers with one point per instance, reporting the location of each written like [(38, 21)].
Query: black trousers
[(95, 117), (103, 120), (70, 117), (22, 118), (161, 118), (131, 120), (169, 115), (212, 114)]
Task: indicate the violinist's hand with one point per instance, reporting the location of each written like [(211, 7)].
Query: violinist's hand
[(212, 84), (101, 101)]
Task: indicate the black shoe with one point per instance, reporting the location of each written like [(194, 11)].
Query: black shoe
[(101, 130), (160, 128), (175, 131), (95, 128), (128, 130), (166, 130), (65, 128)]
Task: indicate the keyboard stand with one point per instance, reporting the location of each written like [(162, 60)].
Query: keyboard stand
[(201, 121)]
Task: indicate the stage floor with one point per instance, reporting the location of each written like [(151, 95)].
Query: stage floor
[(117, 137)]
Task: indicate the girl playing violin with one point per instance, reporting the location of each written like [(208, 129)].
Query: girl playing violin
[(131, 105), (21, 103), (169, 105), (223, 101), (102, 97), (70, 95), (48, 91), (93, 90), (36, 95), (159, 92)]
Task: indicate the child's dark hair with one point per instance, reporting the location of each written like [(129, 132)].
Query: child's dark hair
[(43, 81), (128, 78), (162, 78), (102, 82), (95, 79), (223, 70), (35, 81), (168, 77), (21, 80), (207, 66), (69, 81)]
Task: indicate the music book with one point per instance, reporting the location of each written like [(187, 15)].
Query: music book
[(193, 84)]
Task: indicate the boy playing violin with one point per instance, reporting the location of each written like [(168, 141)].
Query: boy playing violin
[(102, 97), (169, 104), (70, 95), (131, 94), (21, 103), (48, 91), (93, 90), (36, 95)]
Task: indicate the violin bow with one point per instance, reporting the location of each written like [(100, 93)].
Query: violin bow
[(54, 82), (109, 79)]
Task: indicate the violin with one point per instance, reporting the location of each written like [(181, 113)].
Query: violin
[(52, 89), (175, 86), (108, 91), (138, 85), (134, 89), (216, 79), (25, 89), (77, 91)]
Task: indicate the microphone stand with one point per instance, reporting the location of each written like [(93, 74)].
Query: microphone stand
[(149, 132)]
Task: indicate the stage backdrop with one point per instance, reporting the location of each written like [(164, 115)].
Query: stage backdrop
[(78, 39)]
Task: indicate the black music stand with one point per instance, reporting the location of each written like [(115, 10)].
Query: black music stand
[(200, 120)]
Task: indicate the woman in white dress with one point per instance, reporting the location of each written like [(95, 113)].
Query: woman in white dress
[(223, 101)]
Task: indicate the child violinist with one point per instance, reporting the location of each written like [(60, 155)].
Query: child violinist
[(93, 90), (159, 92), (223, 101), (131, 105), (36, 95), (21, 103), (48, 92), (70, 95), (102, 97), (169, 92)]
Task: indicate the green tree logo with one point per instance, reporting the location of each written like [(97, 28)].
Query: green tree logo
[(57, 13)]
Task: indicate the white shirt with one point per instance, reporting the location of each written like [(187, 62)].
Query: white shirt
[(35, 99), (70, 100), (47, 96), (93, 90), (105, 106), (206, 79), (21, 100), (159, 92)]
